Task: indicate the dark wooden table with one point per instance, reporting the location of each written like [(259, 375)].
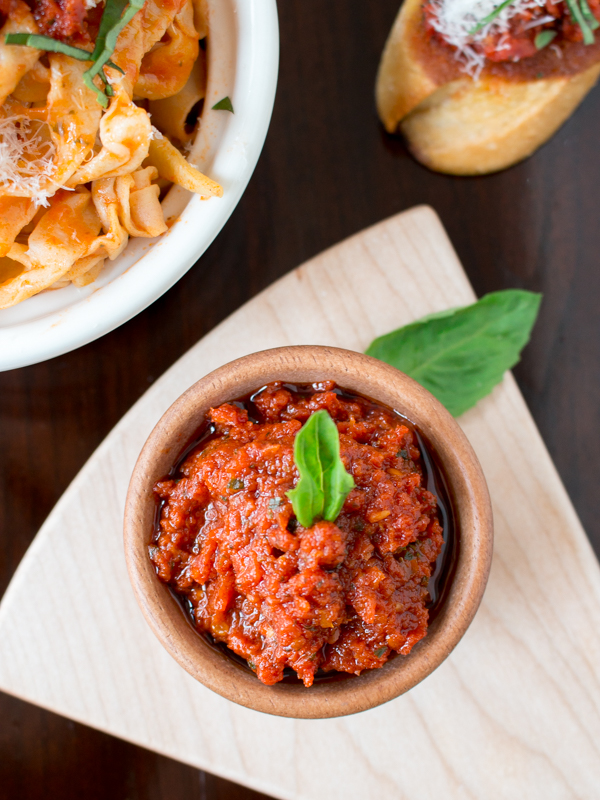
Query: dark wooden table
[(327, 171)]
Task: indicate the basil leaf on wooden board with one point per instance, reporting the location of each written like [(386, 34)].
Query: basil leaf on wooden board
[(324, 483), (459, 356)]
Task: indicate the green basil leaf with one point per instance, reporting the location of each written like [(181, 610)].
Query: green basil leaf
[(224, 105), (578, 17), (116, 15), (51, 45), (580, 12), (108, 90), (543, 39), (113, 11), (47, 43), (101, 97), (588, 15), (461, 356), (447, 312), (490, 17), (115, 66), (324, 483)]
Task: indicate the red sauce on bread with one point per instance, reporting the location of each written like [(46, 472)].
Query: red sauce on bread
[(520, 61), (338, 596)]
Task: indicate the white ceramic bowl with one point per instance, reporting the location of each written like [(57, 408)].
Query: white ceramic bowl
[(243, 58)]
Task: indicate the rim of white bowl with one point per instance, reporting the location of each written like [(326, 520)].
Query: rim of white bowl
[(30, 334)]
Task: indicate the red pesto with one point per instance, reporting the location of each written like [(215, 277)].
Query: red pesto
[(337, 596)]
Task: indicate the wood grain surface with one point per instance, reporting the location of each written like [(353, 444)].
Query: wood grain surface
[(507, 712), (327, 171)]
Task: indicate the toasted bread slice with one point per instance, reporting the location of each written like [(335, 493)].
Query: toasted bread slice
[(402, 80), (466, 126)]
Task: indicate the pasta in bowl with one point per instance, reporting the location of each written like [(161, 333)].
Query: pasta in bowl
[(91, 177), (81, 163)]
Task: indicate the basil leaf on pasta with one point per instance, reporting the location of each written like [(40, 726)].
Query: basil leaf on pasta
[(324, 483), (113, 11), (48, 44), (116, 15), (460, 355)]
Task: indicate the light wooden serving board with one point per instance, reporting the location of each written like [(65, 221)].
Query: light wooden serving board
[(513, 713)]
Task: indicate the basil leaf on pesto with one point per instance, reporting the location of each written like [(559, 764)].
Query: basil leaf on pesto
[(324, 483), (461, 355)]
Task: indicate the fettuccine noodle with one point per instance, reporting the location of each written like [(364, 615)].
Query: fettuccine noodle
[(76, 179)]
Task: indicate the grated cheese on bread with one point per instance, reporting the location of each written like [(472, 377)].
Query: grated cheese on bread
[(464, 126), (455, 19)]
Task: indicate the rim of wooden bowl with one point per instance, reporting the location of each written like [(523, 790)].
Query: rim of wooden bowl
[(468, 493)]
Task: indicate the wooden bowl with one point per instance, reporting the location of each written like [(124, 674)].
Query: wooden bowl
[(468, 494)]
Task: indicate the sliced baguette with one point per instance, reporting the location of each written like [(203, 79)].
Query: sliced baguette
[(402, 81), (467, 127)]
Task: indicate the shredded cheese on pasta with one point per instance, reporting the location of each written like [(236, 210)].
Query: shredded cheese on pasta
[(26, 159)]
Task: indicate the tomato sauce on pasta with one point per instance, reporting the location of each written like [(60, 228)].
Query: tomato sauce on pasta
[(99, 152), (61, 19)]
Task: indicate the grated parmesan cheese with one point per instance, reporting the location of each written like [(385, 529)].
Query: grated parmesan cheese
[(454, 19), (26, 159)]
